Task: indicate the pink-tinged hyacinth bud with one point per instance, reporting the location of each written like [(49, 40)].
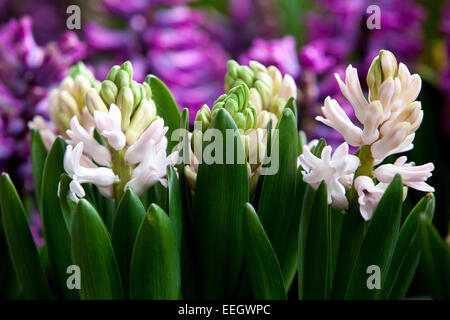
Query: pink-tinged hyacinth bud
[(109, 126)]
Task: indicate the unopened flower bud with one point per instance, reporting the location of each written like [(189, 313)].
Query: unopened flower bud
[(374, 78), (137, 95), (122, 79), (94, 102), (413, 114), (240, 120), (68, 103), (388, 64), (108, 92), (204, 116), (144, 115), (113, 73), (147, 91), (81, 86), (125, 103)]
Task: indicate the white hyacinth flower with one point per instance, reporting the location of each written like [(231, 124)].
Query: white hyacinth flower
[(388, 121), (153, 135), (337, 171), (92, 147), (412, 176), (109, 125), (100, 176), (369, 195), (152, 169)]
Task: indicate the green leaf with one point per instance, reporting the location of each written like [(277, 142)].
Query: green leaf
[(67, 205), (378, 243), (22, 250), (105, 207), (220, 194), (57, 237), (407, 252), (314, 247), (436, 259), (166, 107), (277, 208), (129, 216), (175, 204), (155, 266), (93, 253), (262, 263), (38, 156)]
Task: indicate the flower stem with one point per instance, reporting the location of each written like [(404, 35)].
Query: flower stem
[(122, 170), (365, 169)]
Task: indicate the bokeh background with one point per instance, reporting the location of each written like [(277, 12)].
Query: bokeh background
[(187, 43)]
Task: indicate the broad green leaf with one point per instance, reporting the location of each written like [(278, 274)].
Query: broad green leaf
[(407, 252), (276, 207), (38, 156), (105, 207), (67, 205), (129, 215), (314, 247), (166, 107), (262, 263), (436, 259), (93, 253), (378, 243), (220, 194), (174, 204), (57, 237), (335, 233), (155, 266), (22, 250)]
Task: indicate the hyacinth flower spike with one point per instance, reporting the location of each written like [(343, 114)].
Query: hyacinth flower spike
[(389, 118), (121, 111)]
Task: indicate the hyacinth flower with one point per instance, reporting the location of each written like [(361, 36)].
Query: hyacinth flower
[(389, 117), (134, 150), (255, 96), (337, 33)]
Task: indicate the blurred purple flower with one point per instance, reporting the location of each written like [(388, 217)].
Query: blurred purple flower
[(180, 45), (281, 53), (338, 35), (27, 71), (132, 7), (445, 75)]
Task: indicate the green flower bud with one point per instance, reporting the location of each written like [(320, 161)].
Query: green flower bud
[(246, 74), (136, 93), (113, 73), (128, 68), (142, 118), (122, 79), (125, 103), (108, 92), (374, 78), (80, 69), (148, 90), (240, 120), (204, 116), (94, 102)]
